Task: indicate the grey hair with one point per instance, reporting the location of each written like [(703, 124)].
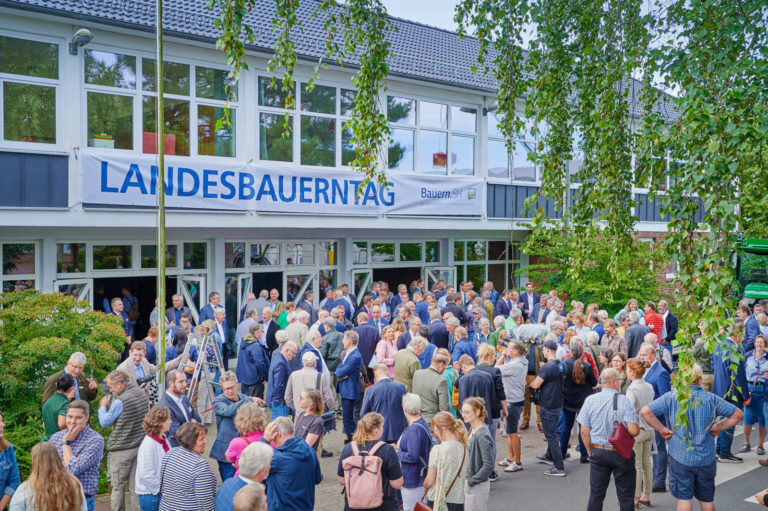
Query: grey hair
[(647, 338), (78, 357), (254, 458), (263, 293), (330, 322), (453, 321), (634, 316), (251, 312), (515, 313), (499, 321), (219, 310), (291, 316), (288, 344), (301, 314), (417, 342), (311, 334), (484, 321), (284, 425), (281, 337), (177, 296), (609, 375), (593, 337), (557, 324), (228, 376), (118, 377), (412, 404), (434, 314), (308, 359)]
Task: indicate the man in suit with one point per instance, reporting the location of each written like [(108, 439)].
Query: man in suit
[(279, 372), (541, 310), (252, 362), (227, 344), (85, 388), (670, 325), (438, 335), (413, 328), (248, 298), (401, 297), (422, 309), (136, 366), (751, 326), (659, 379), (529, 300), (366, 307), (276, 305), (453, 305), (270, 328), (173, 314), (368, 338), (348, 375), (176, 400), (256, 303), (474, 383), (503, 305), (432, 388), (348, 297), (312, 343), (244, 327), (634, 334), (214, 299), (407, 362), (253, 467), (376, 320), (386, 398), (307, 304), (117, 310)]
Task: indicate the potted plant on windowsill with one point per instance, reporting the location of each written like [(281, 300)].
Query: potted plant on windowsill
[(101, 141)]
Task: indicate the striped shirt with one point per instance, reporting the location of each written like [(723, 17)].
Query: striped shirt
[(693, 445), (597, 414), (88, 449), (187, 483)]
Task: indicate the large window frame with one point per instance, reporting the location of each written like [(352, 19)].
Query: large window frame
[(137, 95), (418, 127), (512, 261), (33, 278), (56, 83)]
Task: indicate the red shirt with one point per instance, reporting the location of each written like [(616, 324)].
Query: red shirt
[(655, 323)]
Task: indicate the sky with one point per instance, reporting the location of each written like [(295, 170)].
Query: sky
[(438, 13)]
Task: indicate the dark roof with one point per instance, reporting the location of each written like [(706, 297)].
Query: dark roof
[(420, 51)]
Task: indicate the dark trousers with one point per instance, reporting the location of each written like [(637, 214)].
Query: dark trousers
[(566, 425), (253, 390), (725, 437), (348, 416), (602, 464), (226, 470), (225, 357), (549, 418), (660, 458)]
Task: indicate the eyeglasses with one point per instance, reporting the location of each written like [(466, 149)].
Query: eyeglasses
[(227, 389), (465, 412)]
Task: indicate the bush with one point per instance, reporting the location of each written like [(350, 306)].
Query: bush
[(38, 333)]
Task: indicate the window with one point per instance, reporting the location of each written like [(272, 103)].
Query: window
[(410, 252), (382, 252), (360, 252), (112, 257), (320, 117), (300, 253), (149, 256), (194, 107), (70, 257), (265, 254), (234, 255), (326, 253), (195, 255), (431, 138), (523, 168), (432, 252), (494, 260), (29, 79)]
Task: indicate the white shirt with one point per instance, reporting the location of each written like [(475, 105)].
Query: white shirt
[(664, 326), (180, 403), (220, 328), (349, 351), (148, 467), (530, 302)]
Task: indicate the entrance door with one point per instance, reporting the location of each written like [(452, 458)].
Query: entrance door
[(297, 284), (192, 290), (81, 289), (361, 284), (244, 287), (432, 275)]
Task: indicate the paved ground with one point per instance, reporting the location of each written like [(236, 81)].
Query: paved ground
[(736, 483)]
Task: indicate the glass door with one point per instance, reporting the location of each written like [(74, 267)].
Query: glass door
[(244, 286), (296, 284), (81, 289), (433, 275), (192, 290), (362, 283)]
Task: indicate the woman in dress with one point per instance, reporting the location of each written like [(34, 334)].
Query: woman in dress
[(309, 423), (49, 487), (480, 453), (386, 349), (448, 464), (151, 451)]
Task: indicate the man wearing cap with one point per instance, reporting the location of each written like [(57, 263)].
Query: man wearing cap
[(549, 383)]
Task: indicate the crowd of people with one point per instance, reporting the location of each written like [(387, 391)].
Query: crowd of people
[(422, 381)]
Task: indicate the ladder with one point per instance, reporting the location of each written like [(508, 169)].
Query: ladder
[(204, 344)]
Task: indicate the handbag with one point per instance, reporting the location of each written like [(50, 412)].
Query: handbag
[(748, 401), (422, 506), (620, 438), (329, 418)]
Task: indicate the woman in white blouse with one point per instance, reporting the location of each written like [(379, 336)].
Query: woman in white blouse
[(640, 392), (151, 452)]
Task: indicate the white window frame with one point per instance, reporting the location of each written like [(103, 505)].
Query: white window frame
[(58, 145), (34, 277)]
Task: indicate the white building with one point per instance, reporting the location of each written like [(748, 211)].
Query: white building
[(77, 217)]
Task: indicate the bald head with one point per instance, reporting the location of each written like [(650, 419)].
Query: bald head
[(610, 378)]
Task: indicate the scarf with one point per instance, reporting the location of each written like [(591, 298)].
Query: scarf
[(161, 440)]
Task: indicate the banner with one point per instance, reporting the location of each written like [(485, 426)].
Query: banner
[(131, 180)]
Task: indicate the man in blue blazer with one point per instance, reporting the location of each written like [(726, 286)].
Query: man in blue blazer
[(312, 344), (214, 299), (255, 459), (253, 362), (529, 300), (659, 379), (386, 398), (751, 326), (348, 375), (176, 400), (438, 335), (376, 320), (453, 305), (503, 305), (368, 338), (279, 372)]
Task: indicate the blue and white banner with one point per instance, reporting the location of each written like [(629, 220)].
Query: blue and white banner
[(131, 180)]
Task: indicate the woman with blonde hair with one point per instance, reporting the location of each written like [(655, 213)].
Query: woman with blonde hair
[(480, 453), (367, 438), (399, 325), (450, 376), (250, 423), (640, 393), (386, 349), (577, 318), (448, 464), (49, 487)]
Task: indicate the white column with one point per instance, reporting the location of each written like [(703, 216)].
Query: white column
[(47, 265)]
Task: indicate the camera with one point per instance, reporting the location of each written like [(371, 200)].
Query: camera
[(142, 381), (504, 342)]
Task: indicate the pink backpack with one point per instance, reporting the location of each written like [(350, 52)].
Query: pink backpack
[(362, 478)]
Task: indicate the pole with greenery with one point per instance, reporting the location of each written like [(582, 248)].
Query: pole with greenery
[(160, 111)]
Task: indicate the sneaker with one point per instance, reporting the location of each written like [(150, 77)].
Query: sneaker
[(543, 459), (505, 462), (513, 467), (760, 451), (730, 458), (494, 477), (326, 454), (554, 472), (745, 448)]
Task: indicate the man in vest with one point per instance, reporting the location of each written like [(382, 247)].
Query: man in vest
[(129, 405)]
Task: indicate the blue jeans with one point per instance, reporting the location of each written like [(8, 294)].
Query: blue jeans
[(149, 502), (660, 458), (348, 416), (280, 411), (90, 502), (568, 418), (226, 470), (725, 437), (549, 417)]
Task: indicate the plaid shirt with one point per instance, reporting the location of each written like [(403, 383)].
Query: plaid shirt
[(705, 408), (88, 448)]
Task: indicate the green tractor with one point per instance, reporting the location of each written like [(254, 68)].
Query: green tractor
[(752, 269)]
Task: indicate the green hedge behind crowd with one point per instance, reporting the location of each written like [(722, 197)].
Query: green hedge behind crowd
[(38, 333)]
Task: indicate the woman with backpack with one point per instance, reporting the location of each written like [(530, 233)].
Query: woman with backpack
[(448, 464), (380, 462), (413, 451), (478, 484)]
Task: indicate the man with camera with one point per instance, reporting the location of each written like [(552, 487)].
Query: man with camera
[(598, 416), (137, 367)]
